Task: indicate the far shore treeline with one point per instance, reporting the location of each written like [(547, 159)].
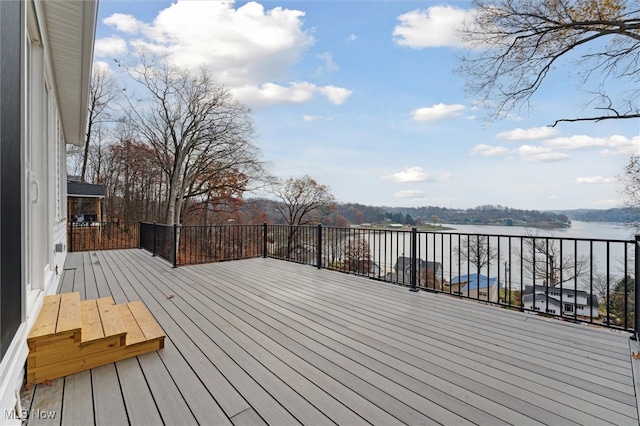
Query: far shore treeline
[(357, 214)]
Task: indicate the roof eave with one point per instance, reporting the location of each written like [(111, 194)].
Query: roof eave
[(71, 41)]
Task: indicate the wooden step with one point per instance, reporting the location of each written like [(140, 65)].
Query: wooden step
[(70, 335), (59, 319), (140, 324)]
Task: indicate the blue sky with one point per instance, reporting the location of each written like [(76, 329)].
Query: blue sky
[(363, 96)]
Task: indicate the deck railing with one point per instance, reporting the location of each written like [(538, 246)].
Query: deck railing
[(160, 240), (84, 236), (576, 279), (216, 243)]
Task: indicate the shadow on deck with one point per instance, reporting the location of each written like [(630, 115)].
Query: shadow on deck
[(262, 341)]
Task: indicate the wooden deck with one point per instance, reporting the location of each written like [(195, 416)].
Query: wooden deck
[(263, 341)]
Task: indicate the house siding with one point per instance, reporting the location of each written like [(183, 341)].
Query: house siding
[(33, 170)]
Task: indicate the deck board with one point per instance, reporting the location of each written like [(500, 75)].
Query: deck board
[(170, 401), (107, 398), (139, 402), (79, 281), (91, 269), (46, 406), (77, 405), (262, 341)]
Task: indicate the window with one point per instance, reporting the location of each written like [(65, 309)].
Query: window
[(568, 307)]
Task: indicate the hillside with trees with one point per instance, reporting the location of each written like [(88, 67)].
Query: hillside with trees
[(485, 215), (346, 214), (620, 215)]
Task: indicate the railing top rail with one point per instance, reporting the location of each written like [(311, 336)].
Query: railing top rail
[(285, 225), (157, 224), (358, 228), (225, 225), (537, 237)]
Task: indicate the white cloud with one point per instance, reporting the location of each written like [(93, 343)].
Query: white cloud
[(248, 48), (489, 151), (103, 66), (595, 179), (410, 193), (125, 23), (437, 112), (416, 174), (410, 174), (109, 46), (352, 37), (336, 95), (535, 133), (612, 144), (540, 154), (271, 93), (434, 27), (244, 44)]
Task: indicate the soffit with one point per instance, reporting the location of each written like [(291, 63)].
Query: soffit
[(70, 29)]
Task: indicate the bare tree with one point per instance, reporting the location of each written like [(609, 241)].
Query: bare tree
[(103, 91), (602, 286), (358, 256), (334, 241), (304, 201), (476, 250), (519, 42), (631, 182), (544, 260), (200, 134)]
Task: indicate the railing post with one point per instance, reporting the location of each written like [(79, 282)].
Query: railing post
[(319, 247), (636, 286), (139, 234), (414, 258), (71, 237), (174, 251), (265, 236), (153, 244)]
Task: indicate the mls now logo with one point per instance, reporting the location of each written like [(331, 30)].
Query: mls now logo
[(29, 414)]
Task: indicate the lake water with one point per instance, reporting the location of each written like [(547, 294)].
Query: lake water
[(590, 230), (576, 254)]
